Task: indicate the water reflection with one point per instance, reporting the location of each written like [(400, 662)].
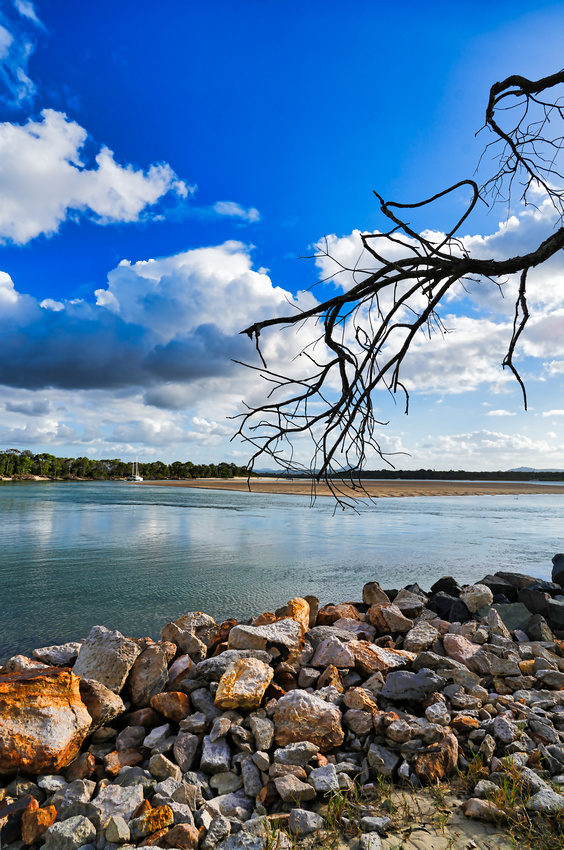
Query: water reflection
[(135, 557)]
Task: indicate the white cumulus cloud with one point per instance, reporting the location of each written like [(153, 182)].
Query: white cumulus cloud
[(44, 181)]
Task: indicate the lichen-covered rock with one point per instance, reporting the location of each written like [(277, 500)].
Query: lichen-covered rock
[(300, 716), (243, 684), (43, 721), (106, 656), (297, 609)]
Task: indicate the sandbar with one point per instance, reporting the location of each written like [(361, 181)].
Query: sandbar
[(372, 488)]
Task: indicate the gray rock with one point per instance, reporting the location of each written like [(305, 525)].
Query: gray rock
[(546, 801), (63, 655), (292, 789), (130, 737), (162, 768), (195, 723), (102, 704), (226, 783), (118, 800), (185, 747), (374, 824), (117, 830), (263, 731), (220, 827), (514, 615), (69, 834), (403, 685), (324, 779), (216, 756), (202, 701), (319, 633), (242, 841), (251, 778), (381, 760), (369, 841), (149, 675), (156, 736), (299, 753), (133, 776), (372, 594), (106, 656), (79, 791), (303, 822)]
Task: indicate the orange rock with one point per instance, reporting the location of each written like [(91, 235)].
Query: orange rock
[(438, 762), (274, 691), (117, 759), (370, 658), (243, 684), (154, 840), (313, 603), (150, 822), (330, 676), (285, 679), (265, 619), (360, 700), (142, 808), (11, 814), (81, 768), (183, 835), (36, 821), (146, 717), (175, 705), (464, 723), (267, 795), (376, 617), (181, 669), (43, 720), (296, 609), (330, 613)]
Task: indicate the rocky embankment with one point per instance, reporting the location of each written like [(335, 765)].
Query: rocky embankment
[(235, 735)]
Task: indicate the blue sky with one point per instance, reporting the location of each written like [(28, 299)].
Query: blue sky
[(163, 168)]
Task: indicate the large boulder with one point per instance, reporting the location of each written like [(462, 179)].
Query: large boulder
[(43, 721), (107, 657), (300, 716)]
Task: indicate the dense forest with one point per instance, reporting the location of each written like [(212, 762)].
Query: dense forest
[(19, 464), (464, 475)]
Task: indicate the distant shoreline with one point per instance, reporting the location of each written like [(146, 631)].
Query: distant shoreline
[(371, 488)]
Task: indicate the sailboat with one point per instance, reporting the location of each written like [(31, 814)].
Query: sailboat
[(135, 477)]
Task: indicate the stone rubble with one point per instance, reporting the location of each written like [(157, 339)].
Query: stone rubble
[(220, 733)]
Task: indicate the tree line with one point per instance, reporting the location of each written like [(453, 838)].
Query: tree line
[(15, 463)]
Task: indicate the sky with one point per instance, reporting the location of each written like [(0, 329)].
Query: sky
[(166, 171)]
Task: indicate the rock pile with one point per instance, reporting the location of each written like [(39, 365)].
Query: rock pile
[(206, 736)]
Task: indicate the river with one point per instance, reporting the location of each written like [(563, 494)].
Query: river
[(132, 558)]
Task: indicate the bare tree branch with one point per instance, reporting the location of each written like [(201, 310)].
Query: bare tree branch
[(367, 330)]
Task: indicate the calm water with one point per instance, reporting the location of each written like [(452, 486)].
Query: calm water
[(134, 558)]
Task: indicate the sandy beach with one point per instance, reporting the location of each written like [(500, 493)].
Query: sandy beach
[(372, 488)]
